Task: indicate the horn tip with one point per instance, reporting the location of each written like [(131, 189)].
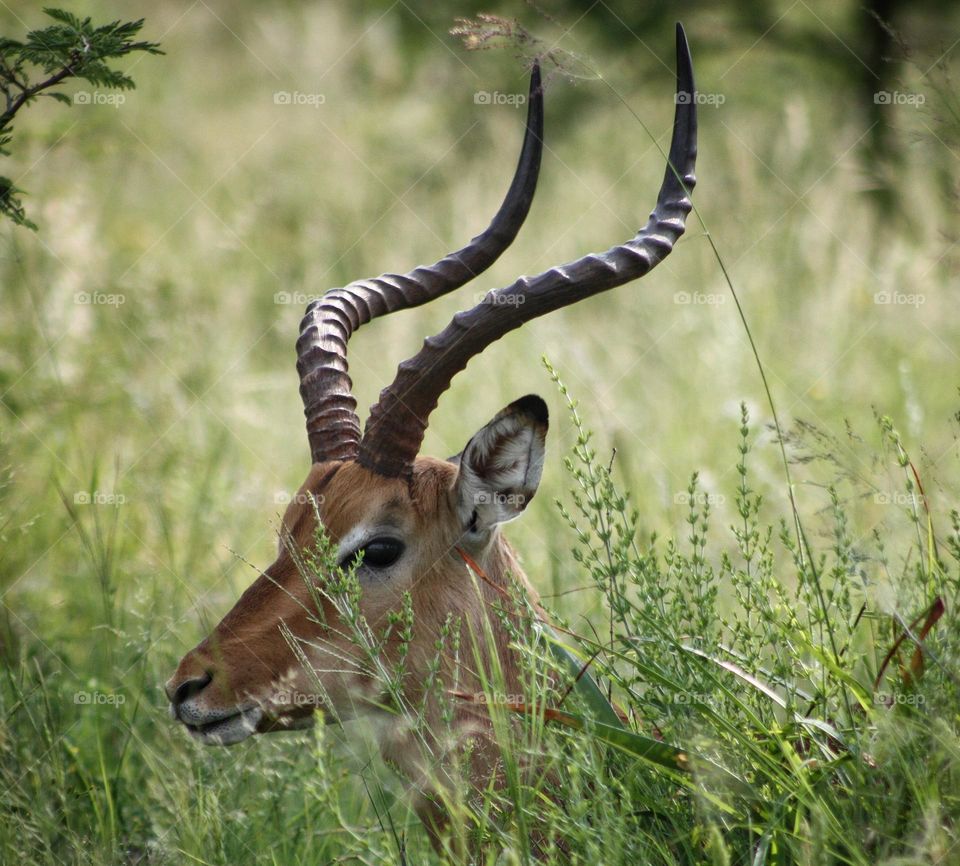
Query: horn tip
[(684, 61), (536, 86)]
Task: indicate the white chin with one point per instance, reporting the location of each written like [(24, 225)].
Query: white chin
[(228, 731)]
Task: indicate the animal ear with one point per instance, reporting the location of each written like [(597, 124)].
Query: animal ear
[(501, 466)]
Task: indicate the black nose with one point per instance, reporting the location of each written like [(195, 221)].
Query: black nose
[(188, 688)]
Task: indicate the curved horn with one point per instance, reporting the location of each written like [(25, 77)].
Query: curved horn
[(398, 421), (332, 424)]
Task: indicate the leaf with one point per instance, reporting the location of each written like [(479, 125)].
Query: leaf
[(748, 678), (645, 748), (933, 615), (584, 684), (11, 206), (65, 17), (930, 617), (71, 48)]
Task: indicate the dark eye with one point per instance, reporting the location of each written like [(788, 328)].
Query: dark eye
[(380, 552)]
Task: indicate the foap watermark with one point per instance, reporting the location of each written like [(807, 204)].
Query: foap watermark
[(485, 97), (898, 97), (684, 97), (493, 698), (699, 498), (300, 498), (498, 299), (99, 299), (98, 497), (899, 299), (101, 699), (98, 97), (708, 299), (499, 497), (906, 699), (690, 698), (298, 298), (295, 97), (296, 699), (896, 498)]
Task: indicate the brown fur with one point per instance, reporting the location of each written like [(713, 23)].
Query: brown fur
[(249, 658)]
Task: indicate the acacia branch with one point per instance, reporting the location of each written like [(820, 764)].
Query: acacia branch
[(29, 92)]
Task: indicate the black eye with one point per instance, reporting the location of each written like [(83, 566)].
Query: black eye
[(380, 552)]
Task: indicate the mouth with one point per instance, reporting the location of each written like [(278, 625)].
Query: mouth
[(226, 730)]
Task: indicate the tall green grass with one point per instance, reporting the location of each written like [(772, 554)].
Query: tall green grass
[(762, 715)]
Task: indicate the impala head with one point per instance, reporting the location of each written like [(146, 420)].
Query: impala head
[(412, 517)]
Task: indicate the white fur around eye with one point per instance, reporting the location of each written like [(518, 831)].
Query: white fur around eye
[(353, 541)]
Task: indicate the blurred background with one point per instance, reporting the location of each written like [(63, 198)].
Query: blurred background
[(151, 424)]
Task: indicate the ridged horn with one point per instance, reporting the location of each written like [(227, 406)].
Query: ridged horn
[(397, 423), (332, 424)]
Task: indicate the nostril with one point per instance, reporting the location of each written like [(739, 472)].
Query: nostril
[(188, 688)]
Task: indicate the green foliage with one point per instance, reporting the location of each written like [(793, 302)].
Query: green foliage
[(769, 667), (32, 68)]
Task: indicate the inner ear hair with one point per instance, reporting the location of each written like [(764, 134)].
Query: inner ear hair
[(501, 466)]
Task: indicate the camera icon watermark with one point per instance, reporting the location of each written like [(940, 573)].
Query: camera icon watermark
[(495, 698), (99, 299), (98, 497), (714, 100), (897, 97), (96, 698), (295, 97), (299, 298), (281, 497), (500, 299), (896, 498), (486, 97), (899, 299), (97, 97), (499, 497), (700, 498), (708, 299), (282, 699), (906, 699)]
